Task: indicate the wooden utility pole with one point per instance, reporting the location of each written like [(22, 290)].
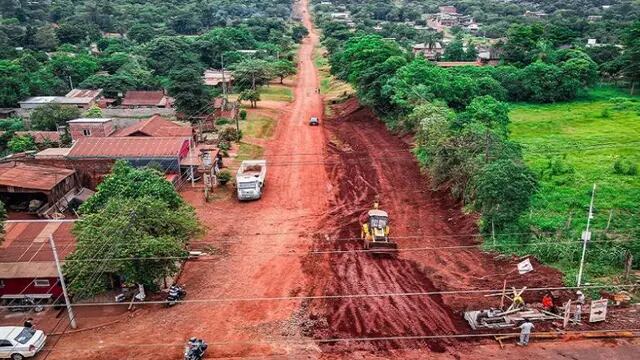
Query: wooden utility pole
[(72, 318)]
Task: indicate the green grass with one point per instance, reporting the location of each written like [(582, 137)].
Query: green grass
[(257, 126), (571, 146), (276, 93), (249, 152)]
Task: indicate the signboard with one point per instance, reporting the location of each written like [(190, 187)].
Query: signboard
[(525, 266), (567, 314), (598, 310)]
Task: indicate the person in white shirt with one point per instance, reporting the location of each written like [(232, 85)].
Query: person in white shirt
[(525, 332)]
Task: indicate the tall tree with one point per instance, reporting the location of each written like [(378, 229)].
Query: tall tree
[(251, 73), (48, 117), (284, 68), (190, 93)]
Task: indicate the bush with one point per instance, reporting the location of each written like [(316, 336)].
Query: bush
[(222, 121), (224, 145), (625, 167), (224, 176), (605, 114), (230, 134), (243, 114)]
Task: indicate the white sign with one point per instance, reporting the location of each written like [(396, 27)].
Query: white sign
[(598, 310), (525, 266)]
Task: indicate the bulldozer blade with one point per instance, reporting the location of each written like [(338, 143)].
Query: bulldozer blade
[(383, 247)]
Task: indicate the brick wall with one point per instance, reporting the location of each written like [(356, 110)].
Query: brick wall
[(77, 130)]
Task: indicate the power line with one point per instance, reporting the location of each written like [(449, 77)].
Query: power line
[(352, 296)]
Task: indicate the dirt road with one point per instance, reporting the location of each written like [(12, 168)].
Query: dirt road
[(295, 197)]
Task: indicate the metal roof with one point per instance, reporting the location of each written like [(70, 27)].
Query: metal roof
[(89, 120), (84, 93), (156, 126), (145, 98), (376, 212), (25, 252), (126, 147), (36, 177)]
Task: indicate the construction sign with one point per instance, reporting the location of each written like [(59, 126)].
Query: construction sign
[(598, 310), (525, 266)]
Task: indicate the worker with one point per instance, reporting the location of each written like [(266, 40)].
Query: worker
[(581, 298), (28, 323), (525, 332), (547, 301)]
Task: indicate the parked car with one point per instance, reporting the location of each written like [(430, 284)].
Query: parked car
[(18, 342), (314, 121)]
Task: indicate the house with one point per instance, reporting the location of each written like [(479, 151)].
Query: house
[(139, 151), (594, 18), (213, 77), (22, 183), (156, 126), (341, 16), (447, 9), (147, 99), (429, 51), (6, 113), (80, 98), (27, 265), (90, 127), (473, 27)]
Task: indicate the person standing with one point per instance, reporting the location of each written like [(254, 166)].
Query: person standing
[(525, 332), (577, 316)]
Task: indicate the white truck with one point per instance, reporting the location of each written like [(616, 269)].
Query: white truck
[(250, 179)]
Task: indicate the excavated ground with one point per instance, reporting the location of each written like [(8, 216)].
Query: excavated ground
[(365, 162)]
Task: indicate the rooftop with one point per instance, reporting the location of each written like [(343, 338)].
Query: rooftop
[(214, 77), (84, 93), (126, 147), (25, 251), (53, 153), (37, 177), (145, 98), (156, 126), (57, 100), (89, 120)]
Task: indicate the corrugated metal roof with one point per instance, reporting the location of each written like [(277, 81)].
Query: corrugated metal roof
[(35, 177), (80, 93), (144, 98), (126, 147), (156, 126), (53, 153), (26, 253), (89, 120)]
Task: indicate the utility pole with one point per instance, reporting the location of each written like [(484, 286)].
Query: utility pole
[(70, 82), (586, 235), (224, 84), (72, 318)]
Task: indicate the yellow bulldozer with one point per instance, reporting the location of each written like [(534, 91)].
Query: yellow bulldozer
[(375, 232)]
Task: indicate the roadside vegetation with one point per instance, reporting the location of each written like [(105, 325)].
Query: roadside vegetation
[(258, 126)]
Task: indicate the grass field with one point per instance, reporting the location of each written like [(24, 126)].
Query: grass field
[(571, 146), (331, 88), (276, 93), (258, 126)]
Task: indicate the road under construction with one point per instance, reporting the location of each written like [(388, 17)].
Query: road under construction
[(326, 298)]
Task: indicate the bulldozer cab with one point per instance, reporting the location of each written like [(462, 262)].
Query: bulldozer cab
[(378, 219)]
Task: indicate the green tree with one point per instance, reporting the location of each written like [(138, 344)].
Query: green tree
[(190, 93), (164, 54), (631, 55), (284, 68), (251, 73), (19, 144), (521, 47), (47, 117), (128, 182), (94, 112), (253, 96), (299, 32), (141, 33), (77, 67), (14, 85), (144, 238), (45, 38), (455, 51), (504, 191)]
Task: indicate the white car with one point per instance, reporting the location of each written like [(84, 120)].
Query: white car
[(18, 342)]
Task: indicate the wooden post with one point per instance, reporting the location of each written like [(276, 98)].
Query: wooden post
[(628, 261), (504, 293), (609, 221), (493, 233)]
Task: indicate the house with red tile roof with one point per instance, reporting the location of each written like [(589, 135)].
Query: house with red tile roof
[(149, 99), (155, 126)]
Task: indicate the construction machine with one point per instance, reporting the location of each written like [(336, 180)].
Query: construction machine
[(375, 232)]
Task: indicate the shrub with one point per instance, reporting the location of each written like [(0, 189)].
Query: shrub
[(243, 114), (222, 121), (224, 145), (230, 134), (224, 176), (625, 167), (605, 113)]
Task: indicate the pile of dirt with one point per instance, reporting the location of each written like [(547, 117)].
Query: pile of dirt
[(360, 174)]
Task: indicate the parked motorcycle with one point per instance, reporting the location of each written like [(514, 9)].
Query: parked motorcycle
[(25, 304), (195, 349), (176, 293)]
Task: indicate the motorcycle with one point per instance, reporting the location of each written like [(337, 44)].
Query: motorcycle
[(26, 304), (176, 293), (195, 349)]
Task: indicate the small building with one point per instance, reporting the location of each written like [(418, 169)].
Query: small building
[(167, 152), (156, 126), (146, 99), (429, 51), (447, 9), (21, 184), (594, 18), (214, 77), (535, 14), (341, 16), (6, 113), (27, 265), (90, 127), (80, 98)]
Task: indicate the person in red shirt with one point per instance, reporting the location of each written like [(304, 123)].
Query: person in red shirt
[(547, 302)]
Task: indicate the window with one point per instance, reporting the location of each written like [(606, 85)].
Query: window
[(5, 343), (41, 282), (24, 336), (86, 132)]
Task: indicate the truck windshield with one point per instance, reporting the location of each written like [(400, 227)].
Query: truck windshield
[(24, 336), (378, 222), (247, 185)]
